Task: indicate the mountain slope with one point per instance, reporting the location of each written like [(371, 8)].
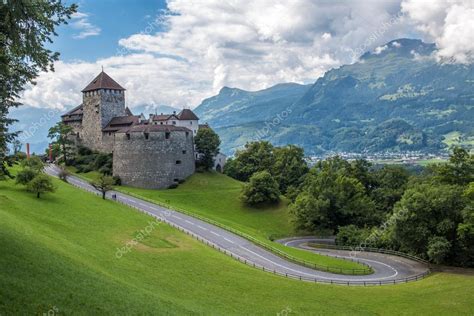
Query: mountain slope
[(396, 98)]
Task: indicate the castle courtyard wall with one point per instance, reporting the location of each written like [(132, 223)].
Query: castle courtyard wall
[(156, 162)]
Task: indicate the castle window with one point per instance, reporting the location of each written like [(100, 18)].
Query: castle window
[(110, 133), (174, 122), (128, 136), (187, 134), (184, 152), (147, 135), (178, 162), (191, 123), (167, 135), (161, 123)]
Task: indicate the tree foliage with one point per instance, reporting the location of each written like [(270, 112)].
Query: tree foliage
[(40, 184), (207, 145), (286, 164), (260, 189), (289, 167), (103, 184), (25, 175), (332, 197), (25, 27), (255, 157), (60, 134)]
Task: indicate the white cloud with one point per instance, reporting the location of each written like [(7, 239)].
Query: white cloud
[(80, 22), (450, 24), (204, 45), (396, 44), (379, 49)]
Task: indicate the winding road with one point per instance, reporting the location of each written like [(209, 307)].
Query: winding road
[(388, 269)]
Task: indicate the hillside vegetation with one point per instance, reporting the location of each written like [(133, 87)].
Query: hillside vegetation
[(400, 99), (59, 256), (216, 197)]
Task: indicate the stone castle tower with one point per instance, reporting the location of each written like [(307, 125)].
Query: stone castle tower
[(103, 99)]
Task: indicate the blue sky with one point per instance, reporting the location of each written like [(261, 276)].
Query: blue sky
[(115, 19), (200, 46)]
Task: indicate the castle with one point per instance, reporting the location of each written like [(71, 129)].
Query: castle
[(154, 152)]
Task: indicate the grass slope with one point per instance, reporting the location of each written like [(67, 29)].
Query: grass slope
[(216, 197), (58, 254)]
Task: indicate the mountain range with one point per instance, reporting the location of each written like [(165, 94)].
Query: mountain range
[(396, 98)]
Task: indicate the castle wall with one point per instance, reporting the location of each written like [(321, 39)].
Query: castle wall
[(152, 163), (99, 108)]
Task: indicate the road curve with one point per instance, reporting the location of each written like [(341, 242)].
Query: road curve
[(387, 269)]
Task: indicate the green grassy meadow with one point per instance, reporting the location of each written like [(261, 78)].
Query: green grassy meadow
[(216, 196), (58, 253)]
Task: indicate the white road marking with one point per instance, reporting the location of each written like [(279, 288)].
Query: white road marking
[(319, 276), (228, 240), (203, 228), (176, 216), (189, 222), (215, 233)]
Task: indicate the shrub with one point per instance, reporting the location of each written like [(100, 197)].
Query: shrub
[(117, 180), (351, 235), (63, 174), (40, 184), (262, 188), (438, 249), (34, 163), (26, 175)]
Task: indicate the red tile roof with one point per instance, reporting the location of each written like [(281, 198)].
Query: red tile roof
[(187, 114), (103, 81)]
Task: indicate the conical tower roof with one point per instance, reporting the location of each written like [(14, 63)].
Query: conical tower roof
[(103, 81)]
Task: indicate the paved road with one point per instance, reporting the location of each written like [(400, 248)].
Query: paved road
[(387, 268)]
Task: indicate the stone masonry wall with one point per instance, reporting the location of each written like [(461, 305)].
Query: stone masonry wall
[(99, 107), (152, 163)]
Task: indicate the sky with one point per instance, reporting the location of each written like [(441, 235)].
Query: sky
[(179, 52)]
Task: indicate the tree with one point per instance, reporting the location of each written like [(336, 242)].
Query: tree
[(428, 211), (290, 167), (390, 184), (25, 27), (332, 197), (256, 156), (465, 229), (60, 134), (40, 184), (207, 145), (351, 235), (34, 163), (262, 188), (438, 249), (103, 184), (26, 175), (459, 170)]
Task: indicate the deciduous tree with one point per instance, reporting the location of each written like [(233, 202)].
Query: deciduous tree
[(207, 145), (261, 188), (103, 184), (25, 27)]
